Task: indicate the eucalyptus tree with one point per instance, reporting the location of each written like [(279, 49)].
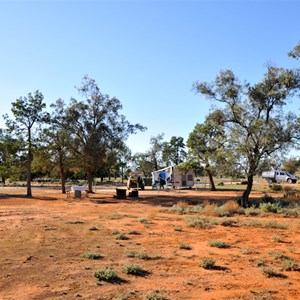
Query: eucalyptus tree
[(206, 144), (295, 53), (174, 151), (28, 115), (123, 156), (56, 139), (142, 162), (96, 127), (257, 124), (10, 156), (156, 151), (292, 165)]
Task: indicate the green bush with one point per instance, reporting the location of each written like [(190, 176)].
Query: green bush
[(268, 272), (156, 295), (207, 263), (91, 255), (106, 274), (197, 222), (92, 228), (269, 207), (184, 246), (121, 236), (276, 188), (133, 269), (267, 199), (218, 244), (289, 265)]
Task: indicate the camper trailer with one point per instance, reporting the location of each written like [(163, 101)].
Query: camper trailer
[(172, 177)]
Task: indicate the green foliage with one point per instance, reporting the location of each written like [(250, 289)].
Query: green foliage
[(276, 238), (28, 114), (178, 228), (254, 127), (206, 144), (133, 269), (121, 236), (207, 263), (106, 274), (289, 265), (295, 53), (173, 152), (218, 244), (268, 272), (184, 246), (91, 255), (143, 220), (267, 199), (197, 222), (156, 295), (93, 228), (269, 207), (276, 188)]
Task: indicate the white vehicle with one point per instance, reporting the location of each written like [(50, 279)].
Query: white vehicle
[(279, 176), (172, 177)]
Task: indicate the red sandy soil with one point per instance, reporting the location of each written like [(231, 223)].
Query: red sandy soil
[(43, 239)]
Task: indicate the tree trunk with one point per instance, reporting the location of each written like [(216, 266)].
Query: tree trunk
[(28, 173), (90, 181), (211, 180), (62, 174), (246, 193)]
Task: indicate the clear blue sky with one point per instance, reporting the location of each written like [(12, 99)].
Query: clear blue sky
[(146, 53)]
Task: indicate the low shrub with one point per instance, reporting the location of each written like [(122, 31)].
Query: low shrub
[(91, 255), (184, 246), (289, 265), (106, 274), (197, 222), (218, 244), (121, 236), (93, 228), (267, 199), (133, 269), (276, 188), (269, 207), (156, 295), (143, 220), (207, 263), (269, 272)]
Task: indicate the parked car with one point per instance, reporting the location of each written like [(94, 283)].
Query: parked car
[(136, 180), (279, 176)]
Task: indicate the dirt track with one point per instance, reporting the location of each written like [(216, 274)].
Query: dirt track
[(43, 240)]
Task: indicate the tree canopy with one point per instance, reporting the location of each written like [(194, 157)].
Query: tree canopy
[(257, 126)]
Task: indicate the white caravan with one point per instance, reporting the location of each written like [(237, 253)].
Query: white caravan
[(173, 177)]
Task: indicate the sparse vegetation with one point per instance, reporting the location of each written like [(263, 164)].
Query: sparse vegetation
[(269, 272), (143, 220), (93, 228), (207, 263), (121, 236), (289, 265), (106, 274), (276, 188), (156, 295), (184, 246), (218, 244), (133, 269), (197, 222), (91, 255)]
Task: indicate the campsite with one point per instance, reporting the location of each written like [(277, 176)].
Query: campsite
[(163, 244)]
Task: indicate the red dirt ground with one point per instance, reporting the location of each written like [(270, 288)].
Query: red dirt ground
[(43, 239)]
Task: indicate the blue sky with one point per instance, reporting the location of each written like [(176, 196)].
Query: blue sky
[(146, 53)]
